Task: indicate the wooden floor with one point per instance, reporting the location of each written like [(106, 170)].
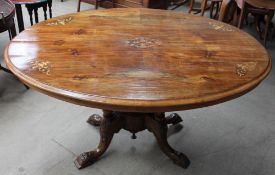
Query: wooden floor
[(40, 135)]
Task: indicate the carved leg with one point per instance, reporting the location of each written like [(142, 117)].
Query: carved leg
[(158, 126), (110, 124), (95, 120)]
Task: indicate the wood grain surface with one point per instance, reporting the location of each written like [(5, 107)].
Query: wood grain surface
[(138, 60), (266, 4)]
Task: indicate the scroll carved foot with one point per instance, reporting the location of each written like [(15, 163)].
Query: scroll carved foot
[(173, 119), (109, 125), (95, 120), (158, 126)]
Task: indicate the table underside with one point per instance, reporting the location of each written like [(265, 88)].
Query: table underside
[(112, 122)]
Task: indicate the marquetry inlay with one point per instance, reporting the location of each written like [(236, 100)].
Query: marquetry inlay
[(41, 66), (62, 22), (142, 42), (242, 69), (220, 27)]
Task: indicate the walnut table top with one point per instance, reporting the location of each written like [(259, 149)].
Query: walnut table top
[(134, 60)]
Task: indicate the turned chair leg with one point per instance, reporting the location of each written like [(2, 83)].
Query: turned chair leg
[(30, 13), (50, 7), (212, 5), (191, 6), (242, 15), (45, 11), (203, 7), (268, 20), (36, 15), (12, 31), (218, 4)]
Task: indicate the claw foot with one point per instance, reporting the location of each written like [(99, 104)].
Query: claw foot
[(181, 160), (95, 120), (173, 119), (84, 160)]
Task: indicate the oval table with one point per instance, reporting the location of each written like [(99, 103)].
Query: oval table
[(136, 64)]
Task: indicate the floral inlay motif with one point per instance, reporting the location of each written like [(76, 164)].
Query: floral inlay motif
[(242, 69), (41, 66), (220, 26), (142, 42), (62, 22)]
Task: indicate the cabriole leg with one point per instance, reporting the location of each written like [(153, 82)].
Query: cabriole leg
[(109, 125), (158, 126)]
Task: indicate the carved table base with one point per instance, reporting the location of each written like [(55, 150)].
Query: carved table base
[(112, 122)]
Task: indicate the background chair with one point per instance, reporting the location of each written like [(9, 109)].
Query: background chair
[(259, 9), (34, 8), (204, 7), (94, 2), (7, 12)]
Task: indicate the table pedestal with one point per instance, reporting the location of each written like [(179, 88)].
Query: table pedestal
[(112, 122)]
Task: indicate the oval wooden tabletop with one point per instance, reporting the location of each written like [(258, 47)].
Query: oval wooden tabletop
[(138, 60)]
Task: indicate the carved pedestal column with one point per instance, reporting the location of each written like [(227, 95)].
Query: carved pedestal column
[(112, 122)]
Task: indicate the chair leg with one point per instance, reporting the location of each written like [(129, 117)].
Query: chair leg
[(217, 10), (30, 13), (13, 30), (78, 5), (242, 16), (36, 15), (212, 9), (203, 6), (45, 11), (258, 25), (50, 7), (96, 4), (269, 15), (113, 3), (191, 6)]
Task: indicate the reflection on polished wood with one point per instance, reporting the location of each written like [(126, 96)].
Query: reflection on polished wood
[(136, 64)]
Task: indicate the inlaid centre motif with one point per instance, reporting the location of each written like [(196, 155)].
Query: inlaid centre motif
[(242, 69), (143, 43), (62, 22), (41, 66)]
